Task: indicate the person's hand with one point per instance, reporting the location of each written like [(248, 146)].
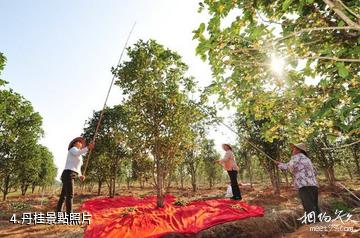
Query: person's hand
[(91, 146), (82, 178), (277, 162)]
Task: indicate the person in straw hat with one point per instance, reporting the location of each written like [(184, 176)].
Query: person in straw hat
[(229, 164), (304, 178), (76, 148)]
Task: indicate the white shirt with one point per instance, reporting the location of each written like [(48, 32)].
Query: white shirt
[(74, 159), (229, 162)]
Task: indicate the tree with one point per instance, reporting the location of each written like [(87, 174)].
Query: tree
[(20, 129), (252, 128), (356, 156), (316, 39), (245, 46), (142, 168), (2, 65), (110, 145), (210, 156), (30, 166), (156, 97), (47, 170)]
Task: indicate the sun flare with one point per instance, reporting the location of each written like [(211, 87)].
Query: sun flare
[(277, 64)]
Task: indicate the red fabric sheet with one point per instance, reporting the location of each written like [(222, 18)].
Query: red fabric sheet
[(113, 217)]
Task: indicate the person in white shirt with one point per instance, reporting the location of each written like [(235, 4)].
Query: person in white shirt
[(72, 170), (229, 164)]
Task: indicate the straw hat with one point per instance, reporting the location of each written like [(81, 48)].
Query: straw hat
[(81, 139), (229, 146), (300, 146)]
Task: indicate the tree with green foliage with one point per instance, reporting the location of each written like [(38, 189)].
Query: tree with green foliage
[(142, 169), (47, 171), (20, 127), (316, 39), (210, 156), (30, 165), (20, 130), (321, 35), (161, 114), (110, 146)]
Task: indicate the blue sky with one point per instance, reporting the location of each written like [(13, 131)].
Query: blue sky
[(59, 55)]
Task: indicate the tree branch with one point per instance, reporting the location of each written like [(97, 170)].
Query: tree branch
[(295, 33), (341, 147), (267, 21), (341, 14), (331, 58), (348, 9)]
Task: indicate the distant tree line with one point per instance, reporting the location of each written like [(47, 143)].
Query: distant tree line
[(24, 163)]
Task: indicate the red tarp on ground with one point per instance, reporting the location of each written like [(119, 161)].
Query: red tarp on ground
[(136, 217)]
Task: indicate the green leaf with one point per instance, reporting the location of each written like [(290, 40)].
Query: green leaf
[(202, 28), (341, 23), (343, 72), (286, 4)]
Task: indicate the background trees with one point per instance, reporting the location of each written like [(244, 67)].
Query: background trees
[(210, 156), (263, 55), (110, 146), (22, 160)]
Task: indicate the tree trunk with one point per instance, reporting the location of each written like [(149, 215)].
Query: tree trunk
[(182, 177), (33, 188), (356, 158), (114, 187), (90, 187), (24, 188), (141, 181), (329, 174), (250, 172), (110, 186), (128, 182), (193, 177), (273, 174), (115, 170), (99, 187), (193, 183), (329, 163), (159, 185), (6, 186), (169, 182)]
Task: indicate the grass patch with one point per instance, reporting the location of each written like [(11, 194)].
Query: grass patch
[(180, 203), (339, 205), (19, 206)]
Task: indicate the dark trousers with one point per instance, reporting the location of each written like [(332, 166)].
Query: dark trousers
[(67, 191), (234, 184), (309, 199)]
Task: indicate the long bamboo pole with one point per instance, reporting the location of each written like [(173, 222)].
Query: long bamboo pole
[(107, 96)]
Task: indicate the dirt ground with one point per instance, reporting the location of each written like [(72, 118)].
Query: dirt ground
[(258, 196)]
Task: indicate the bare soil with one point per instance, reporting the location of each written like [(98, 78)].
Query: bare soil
[(279, 220)]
